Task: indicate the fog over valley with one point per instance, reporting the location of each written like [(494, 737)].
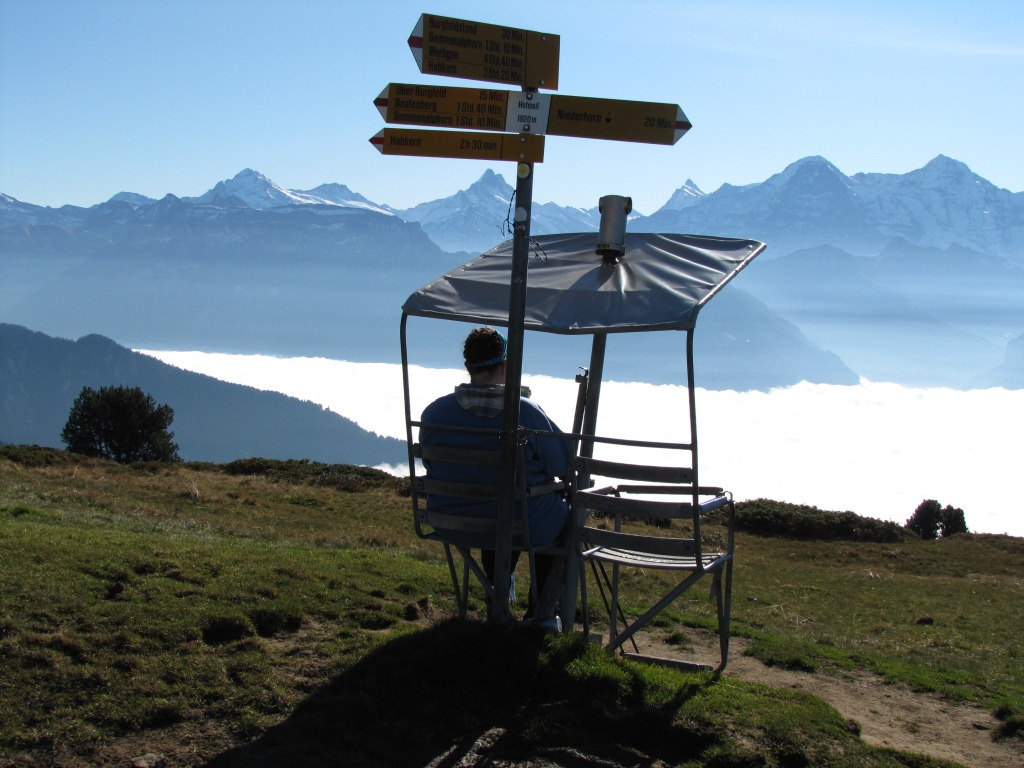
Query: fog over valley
[(877, 449)]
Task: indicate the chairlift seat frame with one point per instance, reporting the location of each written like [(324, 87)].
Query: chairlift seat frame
[(461, 533)]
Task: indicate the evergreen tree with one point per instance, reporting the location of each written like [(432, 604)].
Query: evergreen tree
[(952, 521), (120, 423), (926, 519)]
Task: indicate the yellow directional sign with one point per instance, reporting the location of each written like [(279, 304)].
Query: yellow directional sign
[(440, 106), (642, 121), (477, 51), (460, 144), (485, 109)]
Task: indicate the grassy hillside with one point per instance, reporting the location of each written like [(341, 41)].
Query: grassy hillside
[(281, 613)]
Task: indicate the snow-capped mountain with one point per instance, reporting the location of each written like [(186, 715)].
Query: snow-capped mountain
[(809, 203), (255, 190), (916, 277), (479, 218), (943, 204), (812, 203)]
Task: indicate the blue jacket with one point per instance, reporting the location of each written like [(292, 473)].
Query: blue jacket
[(545, 458)]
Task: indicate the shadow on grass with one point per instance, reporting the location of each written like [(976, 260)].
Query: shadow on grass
[(464, 693)]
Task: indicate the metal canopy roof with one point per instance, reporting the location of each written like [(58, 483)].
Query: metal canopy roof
[(660, 283)]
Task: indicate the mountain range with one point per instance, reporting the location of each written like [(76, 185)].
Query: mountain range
[(915, 278)]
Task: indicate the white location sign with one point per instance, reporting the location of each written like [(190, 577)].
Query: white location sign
[(527, 112)]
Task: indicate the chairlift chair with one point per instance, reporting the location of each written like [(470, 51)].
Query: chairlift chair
[(653, 282)]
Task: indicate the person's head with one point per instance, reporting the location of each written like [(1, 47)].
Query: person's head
[(484, 353)]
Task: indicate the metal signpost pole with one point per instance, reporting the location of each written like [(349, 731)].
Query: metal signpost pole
[(513, 382)]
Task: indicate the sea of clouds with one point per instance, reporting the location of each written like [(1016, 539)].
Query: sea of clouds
[(876, 449)]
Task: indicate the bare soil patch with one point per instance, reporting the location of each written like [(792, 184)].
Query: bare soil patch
[(890, 715)]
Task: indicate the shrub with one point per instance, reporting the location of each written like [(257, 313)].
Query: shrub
[(35, 455), (800, 521), (342, 477)]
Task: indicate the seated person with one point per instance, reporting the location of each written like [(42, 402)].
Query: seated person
[(480, 404)]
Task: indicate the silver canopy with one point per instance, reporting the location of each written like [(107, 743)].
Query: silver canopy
[(660, 283)]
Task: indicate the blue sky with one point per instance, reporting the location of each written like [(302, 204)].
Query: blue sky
[(103, 96)]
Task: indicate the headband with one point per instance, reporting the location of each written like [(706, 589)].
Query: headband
[(491, 361)]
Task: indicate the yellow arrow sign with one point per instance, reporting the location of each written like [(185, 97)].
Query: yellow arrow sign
[(616, 119), (467, 145), (440, 106), (477, 51)]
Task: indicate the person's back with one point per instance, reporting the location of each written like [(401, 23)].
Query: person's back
[(473, 417)]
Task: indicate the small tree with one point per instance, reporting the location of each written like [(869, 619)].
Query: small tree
[(120, 423)]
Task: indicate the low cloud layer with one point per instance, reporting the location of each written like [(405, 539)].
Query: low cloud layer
[(876, 449)]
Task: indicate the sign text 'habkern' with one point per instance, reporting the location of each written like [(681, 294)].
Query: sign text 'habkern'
[(467, 145), (478, 51)]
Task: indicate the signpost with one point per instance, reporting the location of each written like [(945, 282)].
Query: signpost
[(476, 51)]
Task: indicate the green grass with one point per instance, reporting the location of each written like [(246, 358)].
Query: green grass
[(938, 615), (115, 629), (285, 612)]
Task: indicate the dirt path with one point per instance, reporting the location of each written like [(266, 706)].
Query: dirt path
[(889, 715)]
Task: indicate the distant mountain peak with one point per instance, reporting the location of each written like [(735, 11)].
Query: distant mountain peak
[(811, 164), (939, 171), (132, 197), (252, 188), (492, 182), (687, 195), (942, 167), (809, 175), (942, 161)]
